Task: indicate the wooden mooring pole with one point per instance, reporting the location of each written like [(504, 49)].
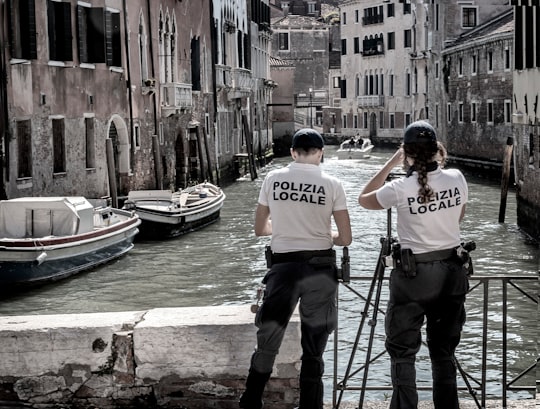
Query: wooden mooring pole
[(505, 177)]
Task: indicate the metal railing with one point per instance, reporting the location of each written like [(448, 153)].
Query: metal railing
[(369, 318)]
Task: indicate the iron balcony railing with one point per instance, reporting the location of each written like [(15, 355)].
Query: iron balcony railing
[(366, 101)]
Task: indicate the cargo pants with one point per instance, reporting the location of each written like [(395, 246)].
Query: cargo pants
[(436, 294)]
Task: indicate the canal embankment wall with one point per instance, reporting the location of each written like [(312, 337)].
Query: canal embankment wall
[(166, 357)]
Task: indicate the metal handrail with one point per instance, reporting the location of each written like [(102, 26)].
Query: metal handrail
[(372, 305)]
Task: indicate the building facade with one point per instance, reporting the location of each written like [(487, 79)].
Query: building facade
[(526, 115), (113, 96), (383, 67), (474, 112)]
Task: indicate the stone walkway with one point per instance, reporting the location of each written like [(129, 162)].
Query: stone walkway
[(464, 404)]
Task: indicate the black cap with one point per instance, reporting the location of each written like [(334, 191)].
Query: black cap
[(307, 138), (419, 132)]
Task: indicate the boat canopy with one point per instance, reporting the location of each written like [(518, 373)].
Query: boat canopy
[(35, 217)]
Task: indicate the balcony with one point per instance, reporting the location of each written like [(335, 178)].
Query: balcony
[(242, 83), (223, 76), (175, 97), (317, 98), (366, 101)]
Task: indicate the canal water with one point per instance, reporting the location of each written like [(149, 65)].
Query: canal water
[(223, 265)]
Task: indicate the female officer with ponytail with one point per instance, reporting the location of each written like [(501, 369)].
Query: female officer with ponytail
[(428, 281)]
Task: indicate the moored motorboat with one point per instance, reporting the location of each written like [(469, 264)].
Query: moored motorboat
[(49, 238), (355, 149), (166, 214)]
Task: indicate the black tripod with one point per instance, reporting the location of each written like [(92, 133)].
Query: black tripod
[(371, 300)]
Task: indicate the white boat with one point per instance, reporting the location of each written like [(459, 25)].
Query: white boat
[(49, 238), (355, 149), (166, 214)]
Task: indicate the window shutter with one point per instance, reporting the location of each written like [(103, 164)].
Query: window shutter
[(68, 36), (82, 34)]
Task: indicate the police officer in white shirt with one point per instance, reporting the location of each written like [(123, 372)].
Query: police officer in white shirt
[(429, 281), (296, 206)]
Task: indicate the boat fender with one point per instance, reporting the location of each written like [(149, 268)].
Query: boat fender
[(41, 258)]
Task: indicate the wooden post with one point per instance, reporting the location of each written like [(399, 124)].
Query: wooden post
[(249, 144), (505, 177), (158, 166), (111, 172)]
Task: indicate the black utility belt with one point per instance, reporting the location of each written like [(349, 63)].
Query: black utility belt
[(309, 256), (405, 259)]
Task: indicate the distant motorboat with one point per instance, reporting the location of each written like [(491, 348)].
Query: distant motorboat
[(49, 238), (166, 214), (355, 149)]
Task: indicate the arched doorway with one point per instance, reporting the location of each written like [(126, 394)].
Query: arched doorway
[(118, 133), (372, 125)]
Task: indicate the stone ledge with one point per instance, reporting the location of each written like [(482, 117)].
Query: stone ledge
[(165, 357)]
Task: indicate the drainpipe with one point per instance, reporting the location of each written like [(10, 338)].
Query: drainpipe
[(213, 42), (128, 80), (4, 124), (157, 155)]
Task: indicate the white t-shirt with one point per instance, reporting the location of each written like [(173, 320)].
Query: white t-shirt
[(424, 227), (301, 198)]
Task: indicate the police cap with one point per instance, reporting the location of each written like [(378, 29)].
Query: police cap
[(419, 132), (307, 138)]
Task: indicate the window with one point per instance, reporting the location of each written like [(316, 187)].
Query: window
[(365, 120), (356, 45), (283, 41), (407, 83), (474, 64), (336, 82), (356, 16), (381, 119), (355, 121), (449, 112), (507, 59), (99, 35), (311, 7), (344, 121), (59, 31), (143, 51), (22, 29), (407, 39), (391, 41), (343, 88), (490, 111), (195, 64), (474, 110), (406, 7), (136, 136), (407, 119), (468, 17), (437, 70), (24, 149), (392, 121), (391, 85), (344, 19), (460, 112), (343, 46), (507, 111), (436, 115), (59, 153), (390, 11), (490, 61), (89, 136), (460, 66)]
